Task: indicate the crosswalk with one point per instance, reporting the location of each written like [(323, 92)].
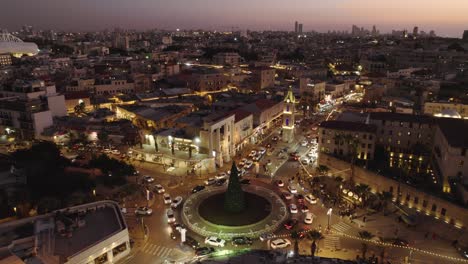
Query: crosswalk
[(332, 242), (156, 250), (341, 227)]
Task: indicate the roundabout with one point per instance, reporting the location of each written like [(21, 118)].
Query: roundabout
[(203, 213)]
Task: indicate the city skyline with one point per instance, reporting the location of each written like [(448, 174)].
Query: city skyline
[(446, 18)]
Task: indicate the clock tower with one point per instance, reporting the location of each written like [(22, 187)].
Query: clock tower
[(288, 116)]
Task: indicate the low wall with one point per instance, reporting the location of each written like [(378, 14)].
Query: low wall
[(410, 196)]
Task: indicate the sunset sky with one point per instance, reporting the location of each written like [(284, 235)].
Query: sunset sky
[(446, 17)]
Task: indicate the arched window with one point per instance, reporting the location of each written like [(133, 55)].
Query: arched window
[(287, 108), (287, 121)]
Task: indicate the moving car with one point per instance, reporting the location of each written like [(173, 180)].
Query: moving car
[(176, 202), (280, 243), (203, 251), (143, 210), (167, 198), (292, 209), (170, 216), (220, 182), (266, 236), (290, 224), (309, 218), (252, 153), (191, 242), (261, 151), (311, 199), (210, 181), (159, 189), (198, 188), (292, 189), (304, 208), (147, 179), (287, 196), (242, 162), (279, 183), (300, 198), (239, 241), (214, 241)]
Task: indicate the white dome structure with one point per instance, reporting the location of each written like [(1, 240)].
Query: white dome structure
[(15, 46)]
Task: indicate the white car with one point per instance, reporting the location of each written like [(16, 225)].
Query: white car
[(252, 153), (293, 209), (242, 162), (116, 152), (311, 199), (248, 164), (258, 157), (214, 241), (170, 216), (287, 196), (159, 189), (311, 154), (309, 218), (143, 210), (221, 175), (292, 189), (280, 243), (167, 198), (305, 161), (242, 172), (176, 202), (210, 181), (148, 179), (304, 143)]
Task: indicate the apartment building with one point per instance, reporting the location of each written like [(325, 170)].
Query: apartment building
[(243, 128), (451, 150), (227, 58), (5, 59), (403, 132), (205, 80), (311, 90), (343, 139), (263, 77)]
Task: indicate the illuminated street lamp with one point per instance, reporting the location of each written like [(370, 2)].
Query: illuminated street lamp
[(329, 213)]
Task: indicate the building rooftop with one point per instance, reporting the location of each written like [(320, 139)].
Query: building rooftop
[(348, 126), (240, 114)]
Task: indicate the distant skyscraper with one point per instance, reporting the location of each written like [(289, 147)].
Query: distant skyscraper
[(374, 31), (415, 31), (300, 29), (296, 27), (465, 35)]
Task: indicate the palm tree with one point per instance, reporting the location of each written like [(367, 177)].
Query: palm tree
[(385, 198), (353, 144), (314, 235), (295, 237), (363, 191), (365, 235), (322, 169)]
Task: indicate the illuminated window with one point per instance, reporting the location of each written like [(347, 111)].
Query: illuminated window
[(398, 142)]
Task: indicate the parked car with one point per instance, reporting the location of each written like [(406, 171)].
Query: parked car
[(279, 183), (304, 143), (266, 236), (309, 218), (191, 242), (176, 202), (245, 181), (290, 224), (198, 188), (220, 182), (210, 181), (311, 199), (203, 251), (147, 179), (252, 153), (280, 243), (292, 209), (248, 164), (159, 188), (167, 198), (221, 175), (170, 216), (240, 241), (287, 196), (215, 241), (242, 162), (262, 151), (143, 210), (292, 189), (305, 161)]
